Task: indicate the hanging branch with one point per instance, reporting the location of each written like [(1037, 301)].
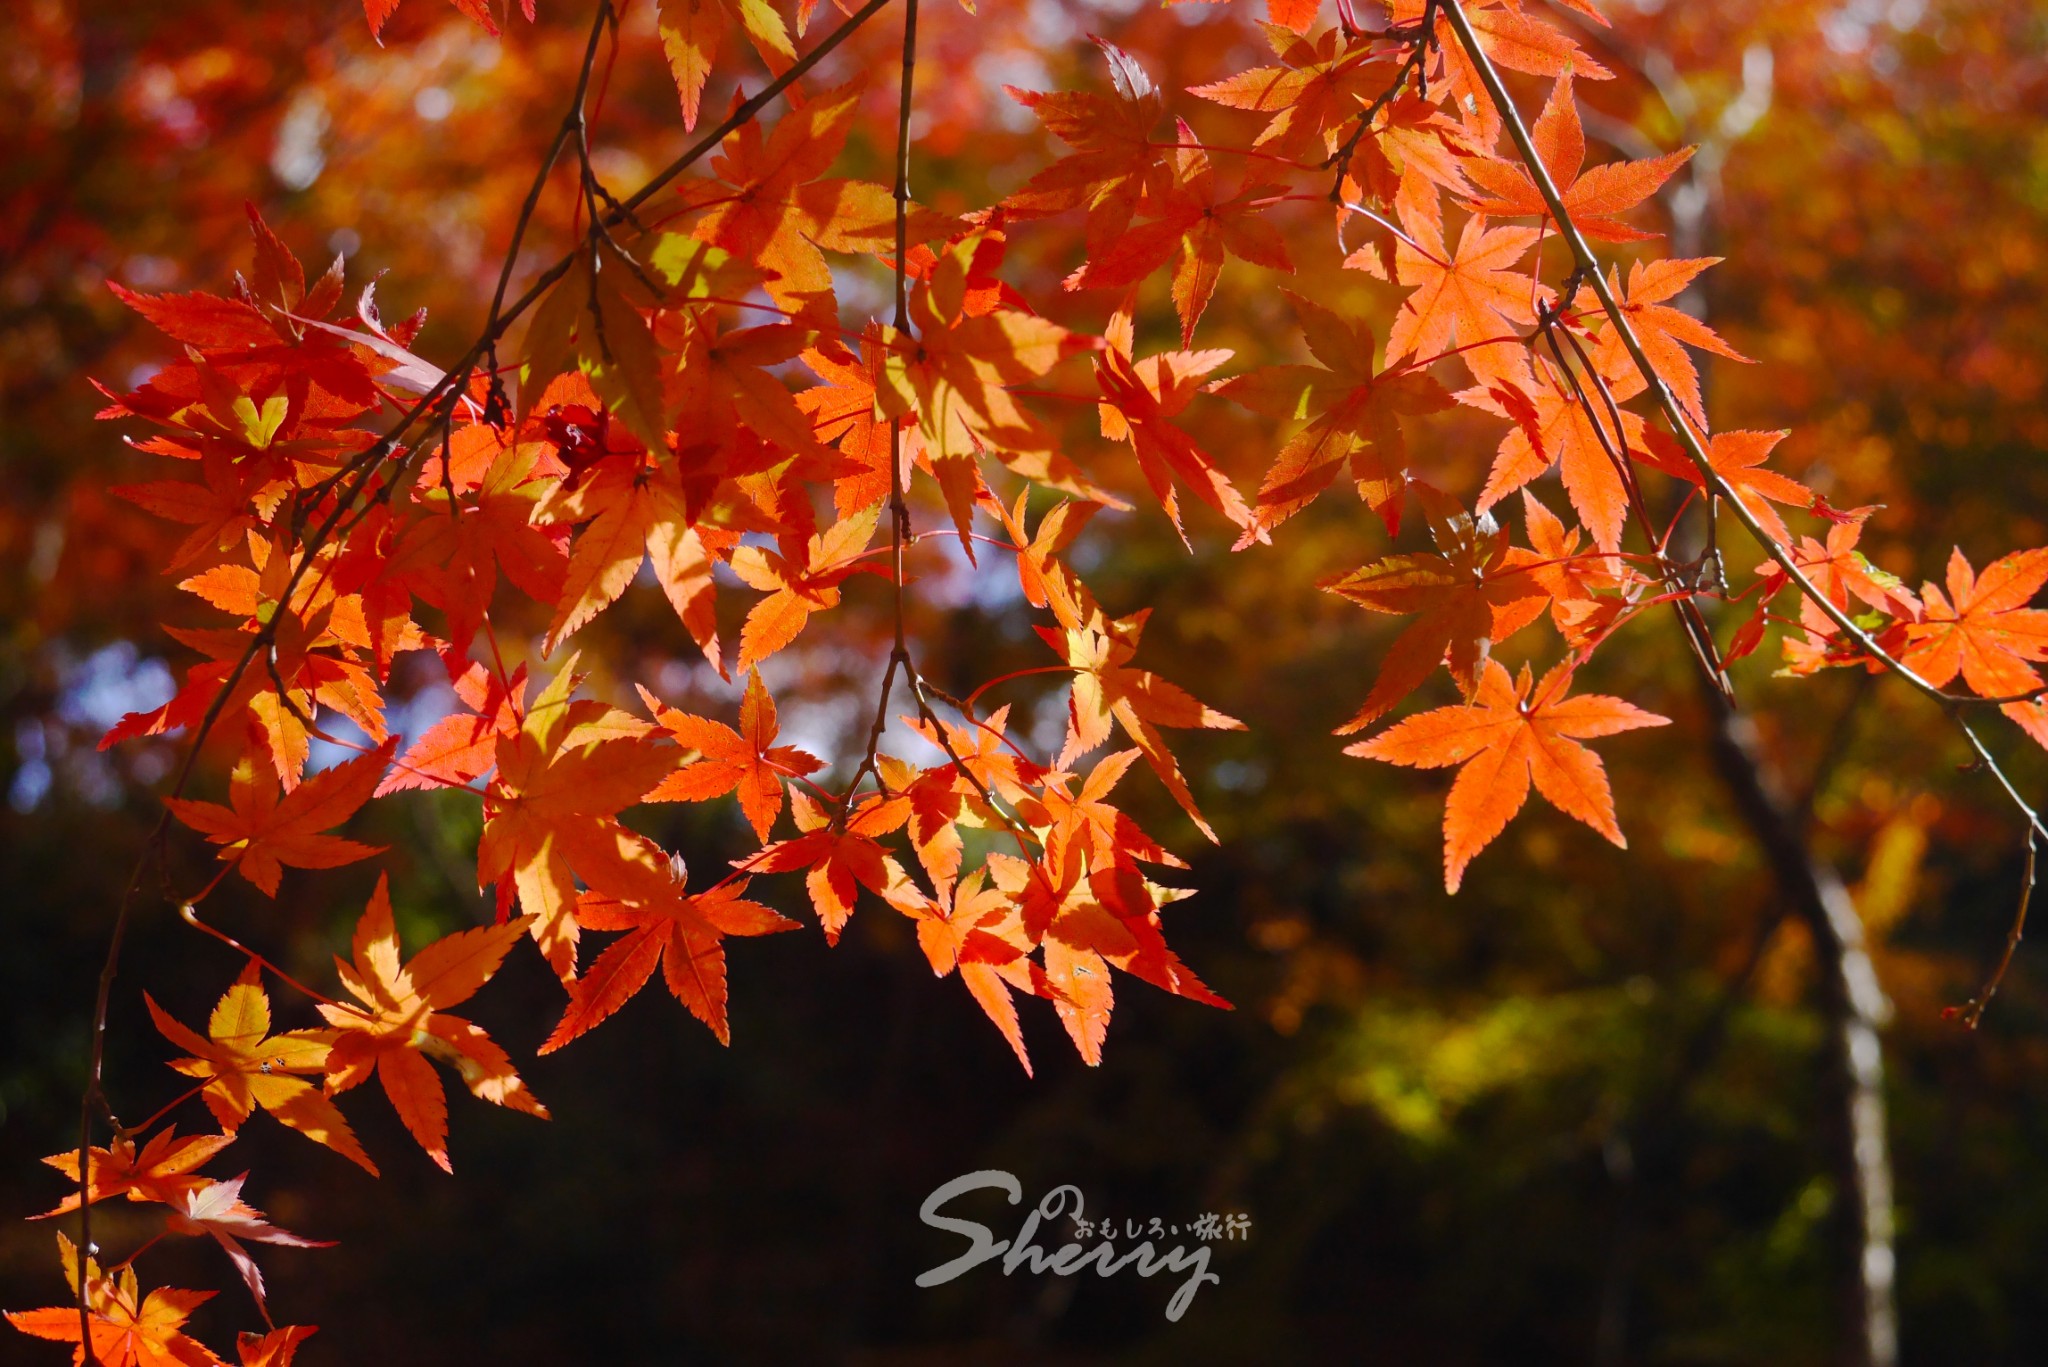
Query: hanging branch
[(1681, 424), (348, 485), (900, 537), (899, 504), (1684, 603)]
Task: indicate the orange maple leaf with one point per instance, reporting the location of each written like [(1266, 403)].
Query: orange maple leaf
[(770, 206), (1138, 399), (1106, 689), (1595, 199), (1040, 574), (977, 931), (1659, 327), (275, 1349), (162, 1171), (1353, 416), (377, 11), (453, 557), (1737, 457), (1082, 940), (1982, 627), (1589, 593), (692, 30), (1415, 151), (1841, 573), (1083, 822), (244, 1066), (1471, 295), (462, 745), (218, 1210), (1316, 90), (948, 796), (125, 1327), (1477, 590), (1194, 227), (1513, 38), (799, 583), (1506, 737), (217, 508), (1113, 159), (747, 759), (638, 518), (320, 636), (667, 927), (842, 858), (842, 412), (1561, 432), (402, 1022), (550, 814), (953, 372), (261, 830)]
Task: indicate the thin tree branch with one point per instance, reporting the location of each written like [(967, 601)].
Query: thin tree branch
[(1674, 413), (1853, 1002), (1973, 1011), (899, 505)]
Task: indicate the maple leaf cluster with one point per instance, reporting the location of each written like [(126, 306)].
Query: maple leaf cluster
[(691, 411)]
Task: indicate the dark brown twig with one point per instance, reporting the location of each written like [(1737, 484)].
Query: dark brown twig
[(1421, 39), (1973, 1011)]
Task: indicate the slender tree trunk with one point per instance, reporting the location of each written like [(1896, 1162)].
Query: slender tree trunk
[(1852, 1003), (1855, 1009)]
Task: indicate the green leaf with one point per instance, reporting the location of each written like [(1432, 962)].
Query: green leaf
[(616, 351)]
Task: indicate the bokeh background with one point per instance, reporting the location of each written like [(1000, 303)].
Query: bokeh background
[(1578, 1113)]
